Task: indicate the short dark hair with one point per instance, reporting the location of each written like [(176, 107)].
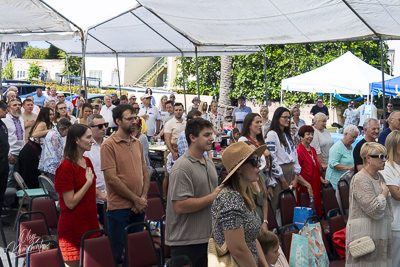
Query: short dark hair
[(320, 98), (195, 126), (170, 102), (3, 104), (193, 113), (119, 110), (90, 119), (178, 104), (123, 97), (305, 129), (27, 100)]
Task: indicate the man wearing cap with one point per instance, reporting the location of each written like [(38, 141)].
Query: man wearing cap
[(106, 112), (39, 97), (239, 113), (115, 101), (5, 147), (132, 100), (319, 107), (192, 189), (151, 115), (16, 139)]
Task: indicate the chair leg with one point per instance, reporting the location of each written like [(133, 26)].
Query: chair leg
[(18, 212), (5, 243)]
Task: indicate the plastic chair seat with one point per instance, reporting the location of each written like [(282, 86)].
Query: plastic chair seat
[(31, 192)]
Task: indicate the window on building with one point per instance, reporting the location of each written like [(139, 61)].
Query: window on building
[(20, 74)]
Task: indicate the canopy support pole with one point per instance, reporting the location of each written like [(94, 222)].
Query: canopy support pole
[(119, 80), (383, 83), (83, 72), (330, 108), (183, 80), (197, 73), (265, 75), (281, 96), (69, 79)]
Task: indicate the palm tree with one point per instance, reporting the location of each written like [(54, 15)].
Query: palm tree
[(226, 87)]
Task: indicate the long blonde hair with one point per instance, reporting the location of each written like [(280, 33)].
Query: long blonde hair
[(391, 144)]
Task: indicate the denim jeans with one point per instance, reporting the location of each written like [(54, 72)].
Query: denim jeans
[(117, 221)]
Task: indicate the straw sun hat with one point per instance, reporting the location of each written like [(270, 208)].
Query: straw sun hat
[(236, 154)]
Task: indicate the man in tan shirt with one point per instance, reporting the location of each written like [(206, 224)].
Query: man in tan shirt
[(126, 176), (174, 127), (28, 116)]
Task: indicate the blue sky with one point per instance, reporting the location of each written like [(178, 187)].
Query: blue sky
[(39, 44)]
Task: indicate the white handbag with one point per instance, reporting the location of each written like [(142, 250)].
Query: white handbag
[(361, 246)]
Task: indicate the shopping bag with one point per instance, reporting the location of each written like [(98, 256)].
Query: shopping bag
[(299, 256), (339, 242), (300, 215), (318, 257)]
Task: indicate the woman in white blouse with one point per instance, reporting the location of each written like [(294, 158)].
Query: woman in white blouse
[(322, 141), (392, 177), (285, 164)]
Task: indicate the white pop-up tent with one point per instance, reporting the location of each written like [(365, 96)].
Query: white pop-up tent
[(346, 74)]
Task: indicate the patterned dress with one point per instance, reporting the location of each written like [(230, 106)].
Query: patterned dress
[(370, 215), (351, 116), (234, 215), (216, 120)]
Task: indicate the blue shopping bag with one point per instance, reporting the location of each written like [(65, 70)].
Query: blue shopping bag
[(300, 215)]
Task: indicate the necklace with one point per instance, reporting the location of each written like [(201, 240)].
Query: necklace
[(371, 174)]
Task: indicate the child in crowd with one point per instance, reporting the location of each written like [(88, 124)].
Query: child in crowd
[(235, 134), (272, 251)]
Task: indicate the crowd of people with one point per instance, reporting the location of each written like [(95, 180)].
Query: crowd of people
[(101, 159)]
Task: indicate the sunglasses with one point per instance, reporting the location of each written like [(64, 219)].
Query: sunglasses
[(319, 102), (380, 156), (253, 161), (390, 106), (61, 96), (100, 126), (62, 108)]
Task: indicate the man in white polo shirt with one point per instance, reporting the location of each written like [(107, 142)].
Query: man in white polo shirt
[(151, 115), (106, 112), (174, 127)]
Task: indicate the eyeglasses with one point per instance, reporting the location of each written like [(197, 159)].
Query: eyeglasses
[(285, 117), (319, 101), (131, 118), (100, 126), (390, 106), (253, 161), (61, 96), (294, 128), (380, 156)]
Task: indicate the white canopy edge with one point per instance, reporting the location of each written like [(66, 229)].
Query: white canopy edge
[(31, 20), (346, 74), (262, 22), (139, 33)]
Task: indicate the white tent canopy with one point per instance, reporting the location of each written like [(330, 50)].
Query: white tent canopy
[(31, 20), (261, 22), (139, 33), (345, 75)]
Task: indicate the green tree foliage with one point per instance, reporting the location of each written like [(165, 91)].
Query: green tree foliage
[(34, 71), (53, 52), (35, 53), (283, 61), (74, 64), (7, 73)]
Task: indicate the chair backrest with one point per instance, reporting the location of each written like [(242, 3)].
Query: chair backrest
[(287, 232), (96, 250), (46, 184), (344, 192), (50, 257), (336, 222), (287, 203), (329, 200), (153, 189), (30, 232), (303, 196), (272, 223), (20, 181), (139, 247), (47, 206), (155, 209)]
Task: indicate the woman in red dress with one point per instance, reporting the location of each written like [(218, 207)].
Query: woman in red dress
[(310, 167), (75, 183)]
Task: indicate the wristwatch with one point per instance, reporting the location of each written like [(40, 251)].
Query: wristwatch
[(266, 221)]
